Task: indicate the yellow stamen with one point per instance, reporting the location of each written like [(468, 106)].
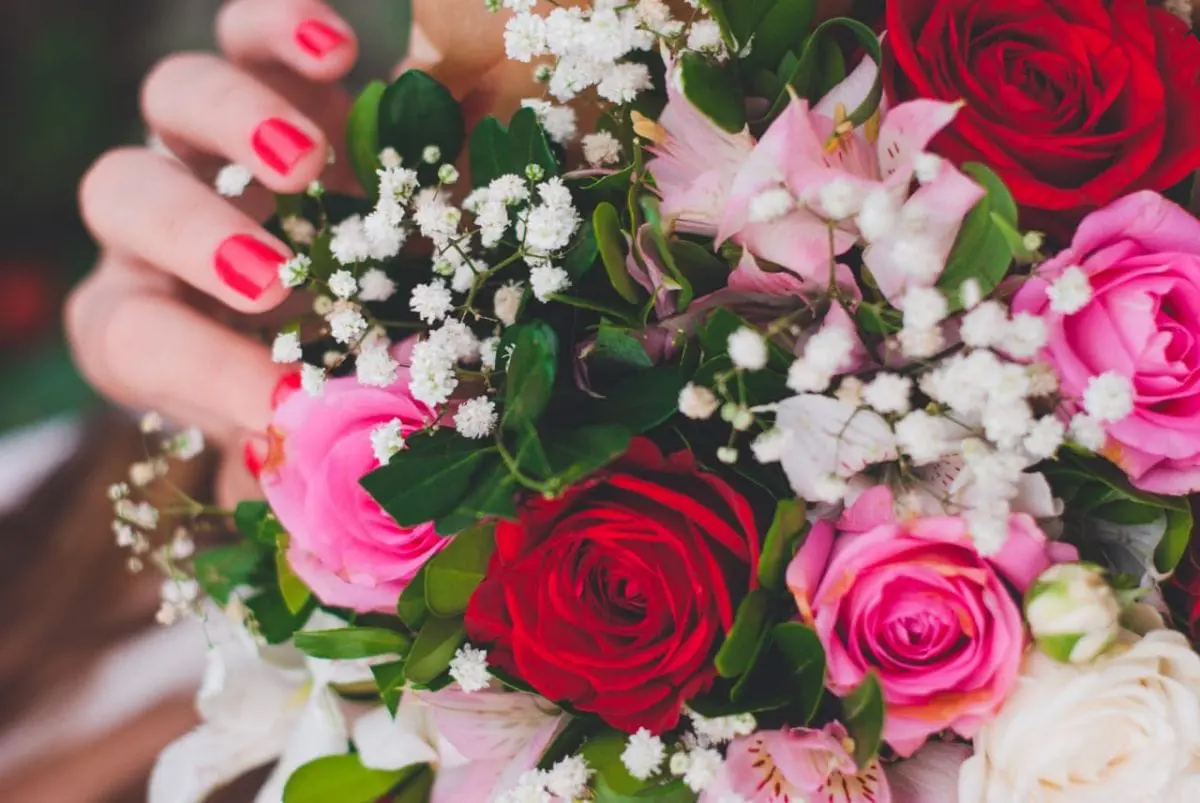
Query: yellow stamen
[(646, 128)]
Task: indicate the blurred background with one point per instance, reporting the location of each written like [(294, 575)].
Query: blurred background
[(80, 718)]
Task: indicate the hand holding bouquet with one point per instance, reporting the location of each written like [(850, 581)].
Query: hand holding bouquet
[(818, 425)]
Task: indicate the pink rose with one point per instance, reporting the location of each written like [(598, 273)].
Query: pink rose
[(797, 764), (1142, 259), (343, 545), (914, 602)]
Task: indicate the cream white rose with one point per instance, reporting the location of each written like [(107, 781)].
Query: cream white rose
[(1125, 729)]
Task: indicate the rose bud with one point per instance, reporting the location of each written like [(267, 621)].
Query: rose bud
[(1073, 613)]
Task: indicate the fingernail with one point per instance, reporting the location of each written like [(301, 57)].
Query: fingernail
[(281, 145), (318, 38), (247, 265), (254, 455), (288, 384)]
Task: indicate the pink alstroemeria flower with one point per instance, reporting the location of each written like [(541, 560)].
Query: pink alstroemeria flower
[(797, 764), (813, 184)]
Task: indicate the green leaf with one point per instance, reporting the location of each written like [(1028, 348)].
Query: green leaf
[(582, 255), (415, 789), (531, 372), (606, 223), (863, 718), (619, 347), (735, 655), (428, 479), (1175, 540), (248, 518), (982, 251), (568, 741), (714, 91), (782, 29), (528, 143), (579, 453), (803, 657), (640, 401), (434, 648), (649, 207), (389, 680), (453, 574), (272, 617), (342, 779), (219, 571), (805, 69), (489, 150), (416, 112), (492, 495), (362, 137), (293, 590), (779, 547), (614, 784), (351, 643), (703, 269), (411, 607)]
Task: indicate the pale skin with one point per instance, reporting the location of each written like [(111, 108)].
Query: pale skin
[(162, 321)]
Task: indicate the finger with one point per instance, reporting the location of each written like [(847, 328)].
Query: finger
[(217, 108), (137, 203), (304, 35), (151, 350)]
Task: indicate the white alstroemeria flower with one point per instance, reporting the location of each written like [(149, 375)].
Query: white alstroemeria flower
[(258, 705), (479, 743), (831, 441)]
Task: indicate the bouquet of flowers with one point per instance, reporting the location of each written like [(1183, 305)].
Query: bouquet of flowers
[(818, 425)]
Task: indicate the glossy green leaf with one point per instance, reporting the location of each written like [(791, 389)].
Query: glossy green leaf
[(714, 91), (411, 607), (433, 649), (582, 254), (617, 346), (640, 401), (803, 658), (704, 270), (417, 788), (614, 784), (531, 371), (389, 681), (981, 251), (782, 28), (219, 571), (658, 232), (1175, 540), (606, 223), (489, 152), (863, 717), (362, 137), (428, 479), (415, 112), (248, 518), (453, 574), (736, 654), (351, 643), (807, 67), (529, 144), (787, 528), (569, 740), (293, 590), (272, 618), (492, 495), (577, 454), (342, 779)]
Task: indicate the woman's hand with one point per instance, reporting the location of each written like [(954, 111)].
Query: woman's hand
[(182, 270)]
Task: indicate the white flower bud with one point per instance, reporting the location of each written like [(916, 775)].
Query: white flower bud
[(1073, 613), (697, 402)]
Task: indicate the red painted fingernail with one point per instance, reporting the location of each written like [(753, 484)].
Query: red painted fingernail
[(318, 38), (288, 384), (247, 265), (281, 145), (254, 455)]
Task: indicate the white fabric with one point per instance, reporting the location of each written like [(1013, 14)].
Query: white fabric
[(30, 454)]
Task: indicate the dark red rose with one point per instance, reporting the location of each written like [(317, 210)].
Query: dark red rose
[(614, 597), (1074, 103), (1183, 590)]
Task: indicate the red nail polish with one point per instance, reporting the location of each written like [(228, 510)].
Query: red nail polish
[(281, 145), (319, 39), (254, 455), (288, 384), (247, 265)]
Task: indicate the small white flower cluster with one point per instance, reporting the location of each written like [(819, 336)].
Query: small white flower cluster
[(469, 669), (433, 367), (232, 180), (588, 46), (644, 754), (567, 781)]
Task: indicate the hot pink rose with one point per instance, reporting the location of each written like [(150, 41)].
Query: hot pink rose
[(1142, 258), (343, 545), (797, 764), (914, 602)]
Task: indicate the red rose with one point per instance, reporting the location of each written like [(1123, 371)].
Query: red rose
[(613, 598), (1074, 103)]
